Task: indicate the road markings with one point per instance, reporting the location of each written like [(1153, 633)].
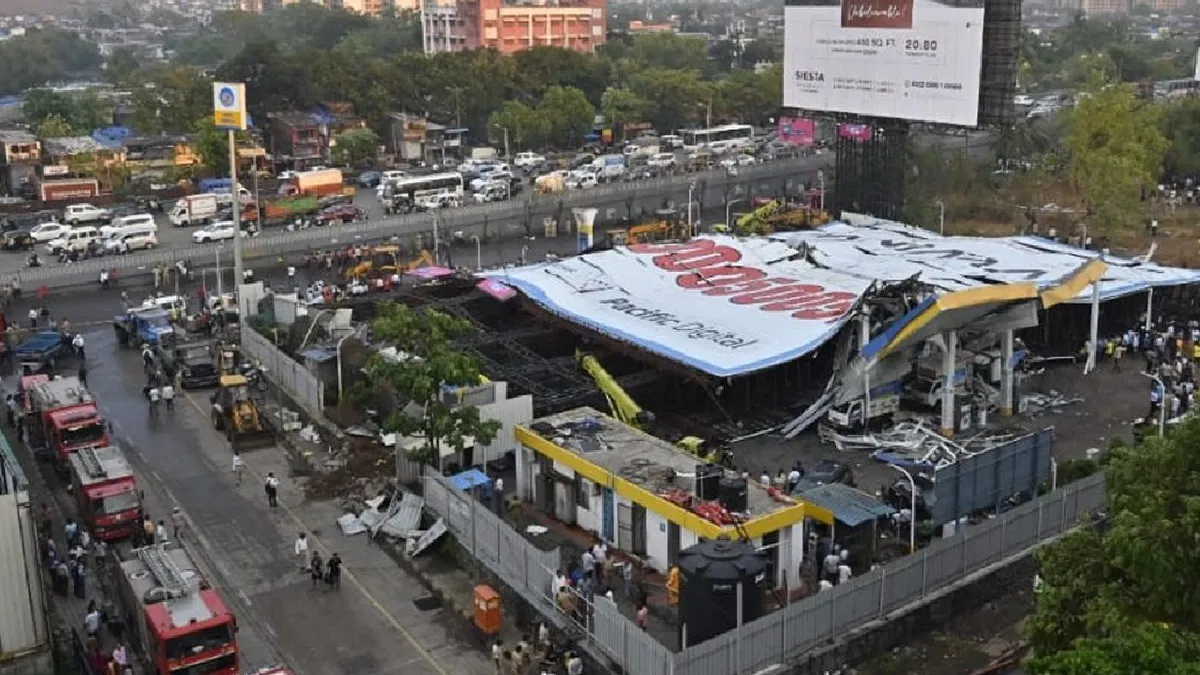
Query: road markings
[(354, 581)]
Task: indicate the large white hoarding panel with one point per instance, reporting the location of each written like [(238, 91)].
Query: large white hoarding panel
[(908, 59), (720, 305)]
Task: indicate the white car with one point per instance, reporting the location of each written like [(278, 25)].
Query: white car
[(524, 160), (663, 160), (46, 232), (490, 177), (738, 160), (579, 180), (218, 231), (76, 214)]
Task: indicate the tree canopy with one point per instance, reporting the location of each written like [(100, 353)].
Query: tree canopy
[(1121, 597), (42, 56)]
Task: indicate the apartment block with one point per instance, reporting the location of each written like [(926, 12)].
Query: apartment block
[(511, 26)]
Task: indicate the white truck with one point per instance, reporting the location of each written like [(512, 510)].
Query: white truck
[(195, 210), (77, 214), (849, 416)]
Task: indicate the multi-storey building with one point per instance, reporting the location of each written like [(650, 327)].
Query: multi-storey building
[(514, 25)]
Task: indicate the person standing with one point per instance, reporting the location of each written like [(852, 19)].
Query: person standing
[(239, 467), (316, 569), (178, 522), (334, 573), (121, 656), (91, 620), (301, 551), (271, 487), (168, 395)]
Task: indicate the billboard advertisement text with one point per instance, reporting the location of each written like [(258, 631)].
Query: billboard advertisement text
[(797, 130), (909, 59)]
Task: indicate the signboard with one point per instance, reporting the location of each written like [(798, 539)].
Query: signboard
[(855, 132), (721, 305), (797, 130), (909, 59), (889, 251), (51, 170), (229, 105)]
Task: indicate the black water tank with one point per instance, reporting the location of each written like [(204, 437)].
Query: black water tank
[(735, 494), (708, 481), (709, 574)]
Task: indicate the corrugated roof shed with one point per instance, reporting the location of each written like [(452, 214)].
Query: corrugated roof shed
[(850, 506), (72, 145)]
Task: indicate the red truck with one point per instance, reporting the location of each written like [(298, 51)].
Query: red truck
[(106, 491), (178, 620), (62, 419)]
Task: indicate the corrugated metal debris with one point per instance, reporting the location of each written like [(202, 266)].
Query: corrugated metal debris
[(415, 546), (402, 517)]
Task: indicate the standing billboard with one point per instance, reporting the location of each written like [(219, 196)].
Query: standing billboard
[(907, 59), (797, 130)]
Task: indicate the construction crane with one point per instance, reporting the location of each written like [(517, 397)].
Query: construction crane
[(623, 407)]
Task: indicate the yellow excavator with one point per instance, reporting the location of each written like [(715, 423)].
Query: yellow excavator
[(235, 413), (627, 410), (774, 216)]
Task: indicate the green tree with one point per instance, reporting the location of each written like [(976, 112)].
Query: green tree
[(1181, 124), (674, 97), (621, 107), (213, 145), (54, 126), (121, 65), (752, 97), (42, 103), (526, 127), (1121, 597), (568, 116), (427, 361), (357, 146), (1115, 146)]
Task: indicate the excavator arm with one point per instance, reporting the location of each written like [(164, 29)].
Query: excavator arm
[(624, 408)]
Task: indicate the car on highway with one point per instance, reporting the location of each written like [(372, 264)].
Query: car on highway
[(489, 177), (46, 232), (342, 213), (586, 177), (17, 240), (663, 160), (78, 239), (369, 179), (527, 160), (221, 230), (738, 160), (132, 240), (77, 214)]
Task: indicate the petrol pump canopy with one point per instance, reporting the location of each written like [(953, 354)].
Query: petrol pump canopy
[(886, 250), (721, 305)]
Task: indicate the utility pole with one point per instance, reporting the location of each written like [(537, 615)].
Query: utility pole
[(229, 113)]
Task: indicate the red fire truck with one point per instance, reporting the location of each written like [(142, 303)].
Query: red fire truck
[(63, 418), (107, 492), (182, 625)]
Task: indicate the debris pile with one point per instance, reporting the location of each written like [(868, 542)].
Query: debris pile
[(361, 465), (396, 518), (1051, 402), (917, 442)]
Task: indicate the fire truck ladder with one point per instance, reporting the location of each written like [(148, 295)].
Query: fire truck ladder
[(168, 575), (91, 463)]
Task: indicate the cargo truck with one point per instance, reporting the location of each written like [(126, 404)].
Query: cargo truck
[(194, 210), (107, 493), (323, 183)]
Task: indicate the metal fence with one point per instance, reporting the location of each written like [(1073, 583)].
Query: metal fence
[(472, 219), (784, 636), (285, 373)]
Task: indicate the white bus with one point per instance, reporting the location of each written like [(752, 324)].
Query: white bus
[(441, 188), (719, 139)]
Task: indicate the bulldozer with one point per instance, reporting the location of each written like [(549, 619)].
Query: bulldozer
[(235, 413), (229, 359), (386, 260)]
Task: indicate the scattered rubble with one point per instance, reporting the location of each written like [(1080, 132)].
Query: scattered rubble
[(1051, 401), (918, 442)]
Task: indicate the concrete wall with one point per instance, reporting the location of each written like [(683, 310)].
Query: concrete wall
[(36, 663)]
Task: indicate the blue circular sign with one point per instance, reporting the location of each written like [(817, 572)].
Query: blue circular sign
[(227, 97)]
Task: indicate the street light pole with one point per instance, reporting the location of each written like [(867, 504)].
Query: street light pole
[(437, 248), (912, 516), (821, 187), (1162, 403), (478, 253), (238, 269), (728, 210), (691, 192), (941, 218)]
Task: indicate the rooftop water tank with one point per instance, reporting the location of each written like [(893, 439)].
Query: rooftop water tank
[(735, 494), (709, 575)]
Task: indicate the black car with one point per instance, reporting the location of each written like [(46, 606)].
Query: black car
[(194, 360), (18, 240), (899, 496), (825, 472), (27, 221)]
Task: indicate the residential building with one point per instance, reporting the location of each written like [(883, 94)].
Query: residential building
[(643, 27), (1104, 7), (513, 26), (74, 150), (412, 138), (20, 154), (367, 7), (160, 151), (255, 6), (298, 140), (640, 493)]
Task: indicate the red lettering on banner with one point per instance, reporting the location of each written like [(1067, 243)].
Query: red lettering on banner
[(712, 271)]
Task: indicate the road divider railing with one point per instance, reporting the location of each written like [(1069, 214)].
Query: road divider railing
[(473, 220)]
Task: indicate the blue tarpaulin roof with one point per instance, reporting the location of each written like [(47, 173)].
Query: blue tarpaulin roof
[(319, 354), (469, 479), (849, 506)]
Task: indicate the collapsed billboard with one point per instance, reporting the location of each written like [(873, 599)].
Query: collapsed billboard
[(724, 306), (910, 59)]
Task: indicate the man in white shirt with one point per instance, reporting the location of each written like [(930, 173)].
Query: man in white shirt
[(155, 395), (239, 467), (168, 396), (844, 573), (301, 549), (91, 622), (33, 317), (830, 564)]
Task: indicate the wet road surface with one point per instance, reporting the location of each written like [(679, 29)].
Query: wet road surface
[(369, 627)]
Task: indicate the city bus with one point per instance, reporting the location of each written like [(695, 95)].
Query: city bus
[(444, 189), (719, 139)]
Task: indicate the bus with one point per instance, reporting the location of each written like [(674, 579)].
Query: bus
[(719, 139), (444, 189)]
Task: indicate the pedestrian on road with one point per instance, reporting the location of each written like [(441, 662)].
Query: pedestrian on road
[(46, 520), (178, 522), (91, 620), (33, 317), (62, 579), (154, 395), (498, 654), (168, 395), (316, 569), (79, 579), (334, 575), (239, 467), (301, 548), (161, 531), (121, 656), (271, 486), (149, 529), (83, 374)]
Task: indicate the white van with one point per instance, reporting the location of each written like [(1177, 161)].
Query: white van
[(132, 238), (76, 239), (137, 219)]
